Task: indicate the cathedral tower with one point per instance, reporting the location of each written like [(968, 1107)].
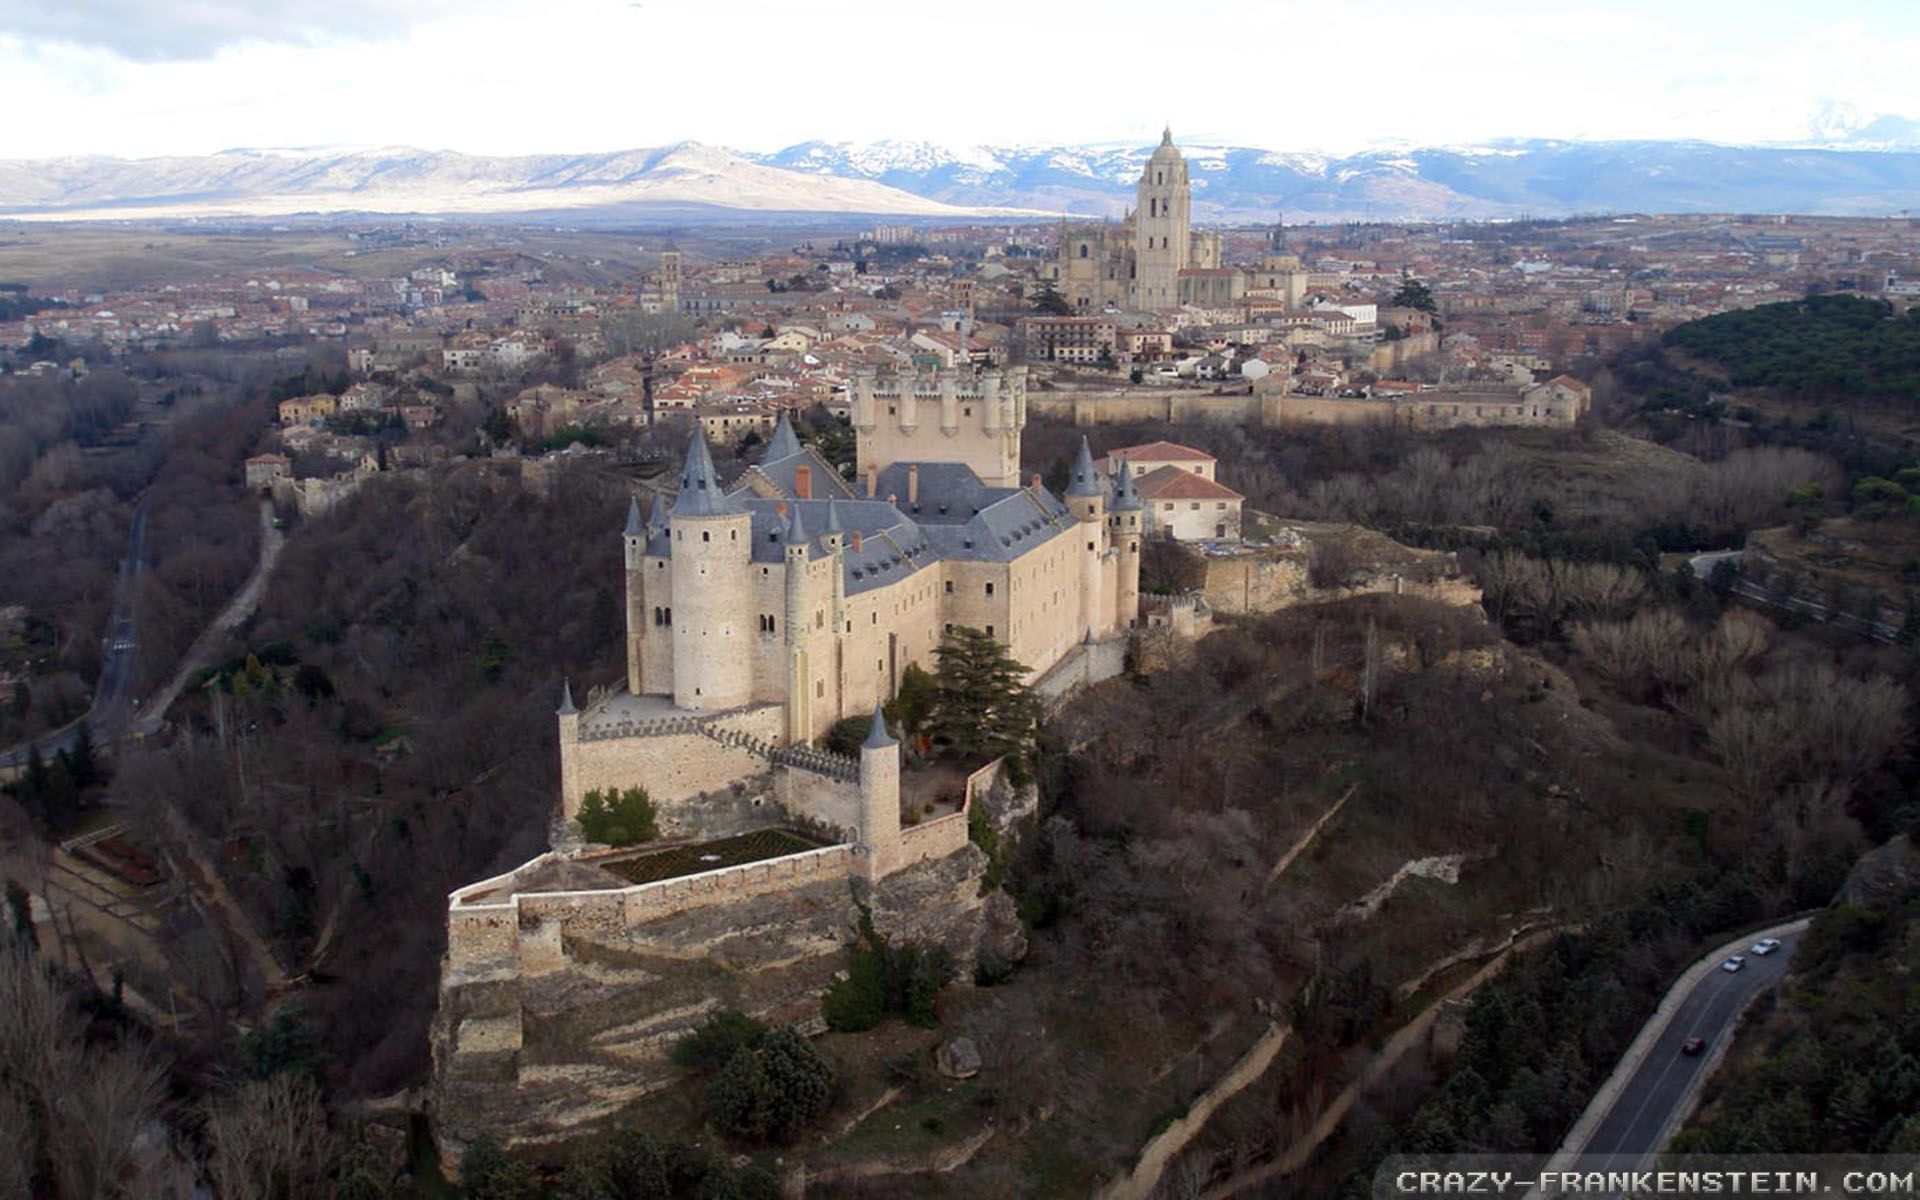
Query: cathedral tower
[(1162, 230)]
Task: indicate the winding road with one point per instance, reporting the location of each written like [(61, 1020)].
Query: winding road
[(1655, 1085), (112, 707)]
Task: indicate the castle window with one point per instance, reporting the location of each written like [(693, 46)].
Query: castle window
[(949, 587), (989, 589), (1133, 547), (876, 618), (658, 618), (819, 688), (949, 626), (706, 535), (1083, 249), (989, 631), (669, 613)]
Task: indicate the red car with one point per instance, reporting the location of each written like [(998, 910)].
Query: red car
[(1693, 1045)]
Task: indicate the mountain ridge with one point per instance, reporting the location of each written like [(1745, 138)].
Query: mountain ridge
[(1851, 173)]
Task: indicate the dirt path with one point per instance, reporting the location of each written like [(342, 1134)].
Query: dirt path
[(1404, 1039), (1160, 1150), (238, 609), (1313, 831)]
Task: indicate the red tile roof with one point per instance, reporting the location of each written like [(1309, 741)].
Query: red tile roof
[(1172, 483), (1160, 452)]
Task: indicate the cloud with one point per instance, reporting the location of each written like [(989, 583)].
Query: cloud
[(183, 30)]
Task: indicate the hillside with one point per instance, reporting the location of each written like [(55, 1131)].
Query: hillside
[(1841, 349)]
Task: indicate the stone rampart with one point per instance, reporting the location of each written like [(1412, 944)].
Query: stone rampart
[(487, 922)]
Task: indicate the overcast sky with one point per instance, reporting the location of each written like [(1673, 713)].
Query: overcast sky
[(148, 77)]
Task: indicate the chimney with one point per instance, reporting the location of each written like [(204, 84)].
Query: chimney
[(781, 508), (856, 541), (1036, 485), (873, 482), (913, 484), (803, 481)]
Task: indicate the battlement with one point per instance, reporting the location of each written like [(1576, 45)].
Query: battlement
[(944, 416)]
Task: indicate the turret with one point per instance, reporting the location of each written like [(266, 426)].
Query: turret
[(879, 796), (784, 443), (797, 636), (711, 547), (569, 719), (1086, 490), (633, 541), (1124, 522)]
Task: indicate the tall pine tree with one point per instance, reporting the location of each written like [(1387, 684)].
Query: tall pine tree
[(981, 705)]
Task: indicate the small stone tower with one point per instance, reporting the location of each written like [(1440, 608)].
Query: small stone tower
[(1087, 499), (880, 797), (1124, 524), (634, 543), (712, 538), (670, 279), (569, 718), (798, 635)]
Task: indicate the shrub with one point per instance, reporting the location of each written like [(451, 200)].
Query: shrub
[(619, 818), (486, 1173), (717, 1039), (768, 1092), (885, 979)]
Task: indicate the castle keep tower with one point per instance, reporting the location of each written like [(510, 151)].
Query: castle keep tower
[(1162, 237), (944, 417), (712, 538), (880, 797)]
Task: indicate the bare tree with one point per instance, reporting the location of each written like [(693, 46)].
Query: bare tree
[(269, 1141)]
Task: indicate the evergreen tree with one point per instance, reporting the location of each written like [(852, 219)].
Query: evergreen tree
[(619, 818), (83, 763), (1413, 294), (981, 705), (1047, 300)]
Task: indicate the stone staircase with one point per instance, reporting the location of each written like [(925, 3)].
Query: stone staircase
[(833, 766)]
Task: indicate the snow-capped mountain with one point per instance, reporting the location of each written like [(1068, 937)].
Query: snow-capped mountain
[(1875, 173), (686, 177), (1851, 165)]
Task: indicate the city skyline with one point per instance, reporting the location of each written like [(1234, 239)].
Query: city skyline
[(127, 80)]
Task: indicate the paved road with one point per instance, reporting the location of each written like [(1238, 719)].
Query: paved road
[(112, 705), (1641, 1116)]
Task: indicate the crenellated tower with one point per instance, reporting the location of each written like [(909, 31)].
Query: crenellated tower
[(944, 416)]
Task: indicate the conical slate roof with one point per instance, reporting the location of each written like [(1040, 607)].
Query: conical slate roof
[(796, 531), (1086, 480), (833, 517), (878, 738), (566, 708), (635, 528), (784, 443), (1126, 497), (700, 492)]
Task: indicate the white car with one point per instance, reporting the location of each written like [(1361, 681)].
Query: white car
[(1734, 964), (1766, 946)]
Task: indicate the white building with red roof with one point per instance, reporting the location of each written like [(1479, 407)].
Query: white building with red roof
[(1181, 498)]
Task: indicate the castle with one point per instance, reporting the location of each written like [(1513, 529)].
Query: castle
[(759, 613), (791, 599), (1155, 260)]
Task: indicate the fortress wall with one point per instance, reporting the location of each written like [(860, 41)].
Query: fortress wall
[(1083, 666), (1253, 583), (479, 936), (674, 768), (931, 839), (529, 928), (1133, 406), (819, 799)]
